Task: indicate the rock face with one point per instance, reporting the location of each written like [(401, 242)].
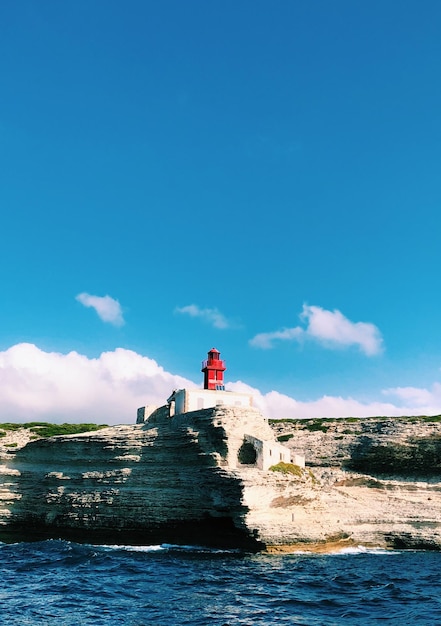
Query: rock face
[(183, 480), (379, 478)]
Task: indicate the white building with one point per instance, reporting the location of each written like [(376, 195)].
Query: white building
[(186, 400), (259, 449)]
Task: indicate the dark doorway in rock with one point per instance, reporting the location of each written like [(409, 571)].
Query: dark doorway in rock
[(247, 454)]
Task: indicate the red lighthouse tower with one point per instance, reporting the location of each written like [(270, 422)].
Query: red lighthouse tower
[(214, 369)]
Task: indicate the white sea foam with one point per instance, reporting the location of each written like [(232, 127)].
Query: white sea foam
[(347, 551), (365, 550), (166, 547), (154, 548)]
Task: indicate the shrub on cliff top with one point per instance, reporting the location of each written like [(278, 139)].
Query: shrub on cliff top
[(10, 426), (304, 421), (44, 429), (287, 468), (51, 430)]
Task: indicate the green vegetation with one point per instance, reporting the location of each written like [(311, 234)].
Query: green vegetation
[(361, 481), (312, 476), (307, 422), (317, 425), (426, 418), (310, 424), (341, 536), (11, 445), (285, 437), (44, 429), (10, 426), (51, 430), (287, 468)]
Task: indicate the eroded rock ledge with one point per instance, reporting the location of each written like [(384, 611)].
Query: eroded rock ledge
[(371, 482)]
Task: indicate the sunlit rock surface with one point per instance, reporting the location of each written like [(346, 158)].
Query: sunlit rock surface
[(178, 480)]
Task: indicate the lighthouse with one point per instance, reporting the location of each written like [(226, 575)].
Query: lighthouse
[(213, 368), (213, 394)]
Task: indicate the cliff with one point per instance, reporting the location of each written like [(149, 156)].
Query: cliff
[(186, 480), (379, 478)]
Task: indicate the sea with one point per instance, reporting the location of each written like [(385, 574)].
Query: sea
[(62, 583)]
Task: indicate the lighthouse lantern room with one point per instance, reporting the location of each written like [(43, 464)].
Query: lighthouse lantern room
[(213, 368)]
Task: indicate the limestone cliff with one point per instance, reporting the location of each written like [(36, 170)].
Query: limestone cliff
[(181, 480), (380, 478)]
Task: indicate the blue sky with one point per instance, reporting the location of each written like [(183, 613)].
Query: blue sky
[(259, 177)]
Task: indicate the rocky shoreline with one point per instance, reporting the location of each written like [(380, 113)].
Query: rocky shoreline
[(370, 482)]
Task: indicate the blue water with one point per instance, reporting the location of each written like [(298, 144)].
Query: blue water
[(62, 583)]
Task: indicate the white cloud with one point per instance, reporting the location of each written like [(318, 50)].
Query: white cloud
[(107, 308), (212, 316), (329, 328), (50, 386), (277, 405), (417, 396), (335, 328), (266, 340)]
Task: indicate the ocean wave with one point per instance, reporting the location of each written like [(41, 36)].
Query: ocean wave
[(348, 550), (59, 582), (167, 547), (366, 550)]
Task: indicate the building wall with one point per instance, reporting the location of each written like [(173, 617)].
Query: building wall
[(144, 413), (270, 453), (298, 459), (195, 399)]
